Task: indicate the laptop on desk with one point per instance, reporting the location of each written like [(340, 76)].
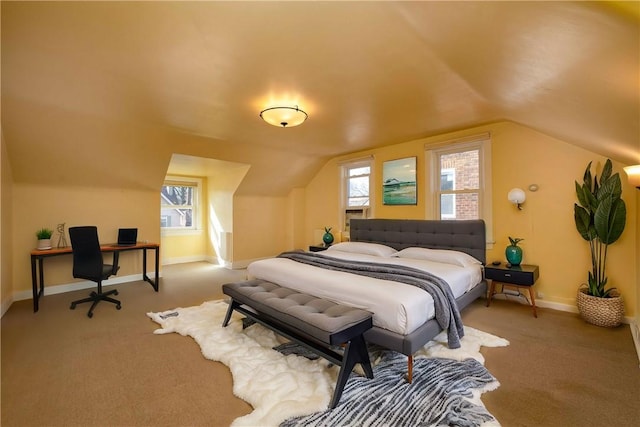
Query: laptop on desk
[(127, 237)]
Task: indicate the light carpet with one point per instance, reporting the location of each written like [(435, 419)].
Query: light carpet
[(281, 387)]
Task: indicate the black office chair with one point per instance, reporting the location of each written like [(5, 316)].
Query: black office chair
[(89, 264)]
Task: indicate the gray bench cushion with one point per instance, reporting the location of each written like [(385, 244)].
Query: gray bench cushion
[(324, 320)]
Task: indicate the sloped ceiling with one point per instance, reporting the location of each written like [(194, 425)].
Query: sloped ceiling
[(84, 80)]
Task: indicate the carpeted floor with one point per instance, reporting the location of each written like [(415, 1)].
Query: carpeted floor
[(61, 368)]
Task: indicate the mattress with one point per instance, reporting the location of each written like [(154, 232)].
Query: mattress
[(397, 307)]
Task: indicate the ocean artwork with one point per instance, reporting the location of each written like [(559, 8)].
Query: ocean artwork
[(399, 182)]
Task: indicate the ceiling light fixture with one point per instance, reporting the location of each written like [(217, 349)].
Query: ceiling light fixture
[(284, 116)]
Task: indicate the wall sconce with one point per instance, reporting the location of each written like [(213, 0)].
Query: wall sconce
[(284, 116), (633, 174), (517, 197)]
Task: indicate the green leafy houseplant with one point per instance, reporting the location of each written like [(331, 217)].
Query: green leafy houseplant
[(44, 233), (600, 219), (515, 240)]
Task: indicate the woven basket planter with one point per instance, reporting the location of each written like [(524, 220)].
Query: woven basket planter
[(607, 312)]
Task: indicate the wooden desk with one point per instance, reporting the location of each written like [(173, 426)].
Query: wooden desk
[(39, 256)]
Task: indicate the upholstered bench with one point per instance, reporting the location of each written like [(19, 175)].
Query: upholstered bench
[(313, 322)]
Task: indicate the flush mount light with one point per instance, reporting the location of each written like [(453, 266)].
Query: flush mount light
[(284, 116)]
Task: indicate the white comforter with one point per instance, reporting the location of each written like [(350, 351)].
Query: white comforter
[(395, 306)]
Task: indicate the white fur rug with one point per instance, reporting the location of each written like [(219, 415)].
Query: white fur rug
[(277, 386)]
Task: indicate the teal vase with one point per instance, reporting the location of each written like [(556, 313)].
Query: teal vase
[(327, 238), (514, 254)]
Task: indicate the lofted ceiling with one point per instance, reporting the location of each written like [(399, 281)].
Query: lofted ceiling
[(82, 80)]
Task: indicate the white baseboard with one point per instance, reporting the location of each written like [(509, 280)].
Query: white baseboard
[(557, 306), (186, 259), (5, 305), (233, 265), (569, 308), (197, 258)]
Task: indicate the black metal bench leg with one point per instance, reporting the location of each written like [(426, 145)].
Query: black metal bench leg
[(227, 317), (345, 371), (355, 352), (363, 355)]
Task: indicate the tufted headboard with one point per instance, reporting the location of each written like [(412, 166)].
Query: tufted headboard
[(461, 235)]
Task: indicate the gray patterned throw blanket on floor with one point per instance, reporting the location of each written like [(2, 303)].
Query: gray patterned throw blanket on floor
[(446, 309)]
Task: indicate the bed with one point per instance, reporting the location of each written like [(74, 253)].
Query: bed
[(404, 316)]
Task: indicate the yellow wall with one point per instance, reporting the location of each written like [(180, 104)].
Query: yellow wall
[(263, 226), (185, 247), (546, 222), (260, 227), (322, 204), (636, 329), (637, 262), (520, 157), (36, 206), (295, 217), (222, 183), (6, 225)]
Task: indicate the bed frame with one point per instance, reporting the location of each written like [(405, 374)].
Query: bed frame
[(466, 236)]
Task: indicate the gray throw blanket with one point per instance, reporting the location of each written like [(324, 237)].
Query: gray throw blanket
[(446, 310)]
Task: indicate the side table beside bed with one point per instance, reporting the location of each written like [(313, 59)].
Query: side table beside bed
[(518, 277)]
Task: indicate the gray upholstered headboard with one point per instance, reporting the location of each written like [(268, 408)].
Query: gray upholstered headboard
[(461, 235)]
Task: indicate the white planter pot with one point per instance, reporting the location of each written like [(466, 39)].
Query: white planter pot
[(44, 244)]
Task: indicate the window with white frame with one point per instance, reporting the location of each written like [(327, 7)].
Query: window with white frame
[(179, 205), (447, 200), (356, 185), (460, 185)]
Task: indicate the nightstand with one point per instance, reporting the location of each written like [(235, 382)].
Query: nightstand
[(318, 248), (518, 277)]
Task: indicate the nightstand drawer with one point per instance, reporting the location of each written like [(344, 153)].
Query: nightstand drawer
[(521, 275)]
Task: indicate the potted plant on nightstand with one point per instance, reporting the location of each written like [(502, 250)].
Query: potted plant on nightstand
[(44, 238), (513, 251), (600, 219), (327, 238)]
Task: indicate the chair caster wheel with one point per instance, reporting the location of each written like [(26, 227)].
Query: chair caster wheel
[(73, 307), (118, 307), (115, 293), (90, 315)]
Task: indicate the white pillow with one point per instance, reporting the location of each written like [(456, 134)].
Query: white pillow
[(363, 248), (438, 255)]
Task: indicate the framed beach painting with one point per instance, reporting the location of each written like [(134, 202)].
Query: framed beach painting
[(399, 182)]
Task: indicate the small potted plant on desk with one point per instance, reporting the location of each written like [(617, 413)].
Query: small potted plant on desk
[(44, 238)]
